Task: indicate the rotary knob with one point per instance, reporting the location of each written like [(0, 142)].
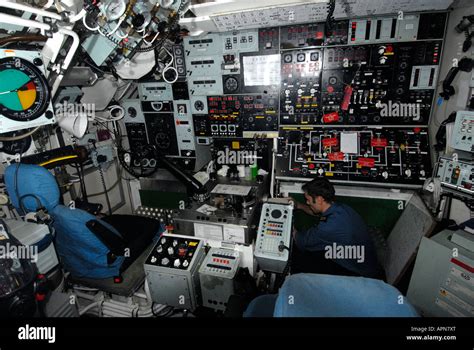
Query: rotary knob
[(408, 172), (385, 175), (177, 263)]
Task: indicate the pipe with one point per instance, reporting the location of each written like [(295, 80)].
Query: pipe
[(89, 307), (8, 19), (19, 137), (37, 11), (16, 38), (72, 49), (67, 60), (78, 17)]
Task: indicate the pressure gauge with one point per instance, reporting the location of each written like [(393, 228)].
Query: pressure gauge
[(24, 91), (115, 9)]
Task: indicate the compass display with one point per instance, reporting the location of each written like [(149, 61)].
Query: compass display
[(24, 91)]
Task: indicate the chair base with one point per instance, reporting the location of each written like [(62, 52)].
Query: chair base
[(133, 278)]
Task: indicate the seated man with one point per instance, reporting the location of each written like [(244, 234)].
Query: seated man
[(339, 244)]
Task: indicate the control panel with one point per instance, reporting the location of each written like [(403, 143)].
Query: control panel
[(241, 151), (238, 116), (216, 275), (155, 92), (184, 128), (463, 133), (301, 84), (373, 77), (173, 252), (179, 61), (164, 216), (299, 36), (141, 156), (162, 132), (171, 271), (396, 156), (274, 236), (456, 175), (384, 84)]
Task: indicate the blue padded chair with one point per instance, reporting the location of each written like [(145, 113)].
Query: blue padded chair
[(95, 251), (315, 295)]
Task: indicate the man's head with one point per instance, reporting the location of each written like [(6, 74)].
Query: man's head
[(319, 194)]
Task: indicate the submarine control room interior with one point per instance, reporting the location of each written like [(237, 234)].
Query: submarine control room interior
[(236, 159)]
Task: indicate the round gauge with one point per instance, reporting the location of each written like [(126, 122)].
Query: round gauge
[(276, 214), (132, 112), (24, 91), (162, 141), (314, 56), (231, 84), (199, 105), (15, 147), (300, 57), (114, 9), (288, 58), (332, 80)]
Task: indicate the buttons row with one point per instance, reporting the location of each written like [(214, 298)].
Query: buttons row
[(221, 261)]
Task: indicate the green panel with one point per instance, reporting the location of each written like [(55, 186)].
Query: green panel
[(379, 213), (165, 200)]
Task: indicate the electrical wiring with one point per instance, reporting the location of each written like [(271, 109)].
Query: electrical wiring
[(152, 41), (84, 21), (113, 30), (160, 43), (101, 173), (110, 188), (169, 67)]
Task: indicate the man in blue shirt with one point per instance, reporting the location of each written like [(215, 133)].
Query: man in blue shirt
[(340, 244)]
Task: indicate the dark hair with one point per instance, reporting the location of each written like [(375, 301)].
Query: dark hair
[(320, 187)]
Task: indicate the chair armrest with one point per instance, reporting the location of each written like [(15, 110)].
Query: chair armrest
[(109, 238)]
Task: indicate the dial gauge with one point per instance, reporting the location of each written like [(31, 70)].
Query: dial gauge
[(231, 84), (24, 91), (115, 9)]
